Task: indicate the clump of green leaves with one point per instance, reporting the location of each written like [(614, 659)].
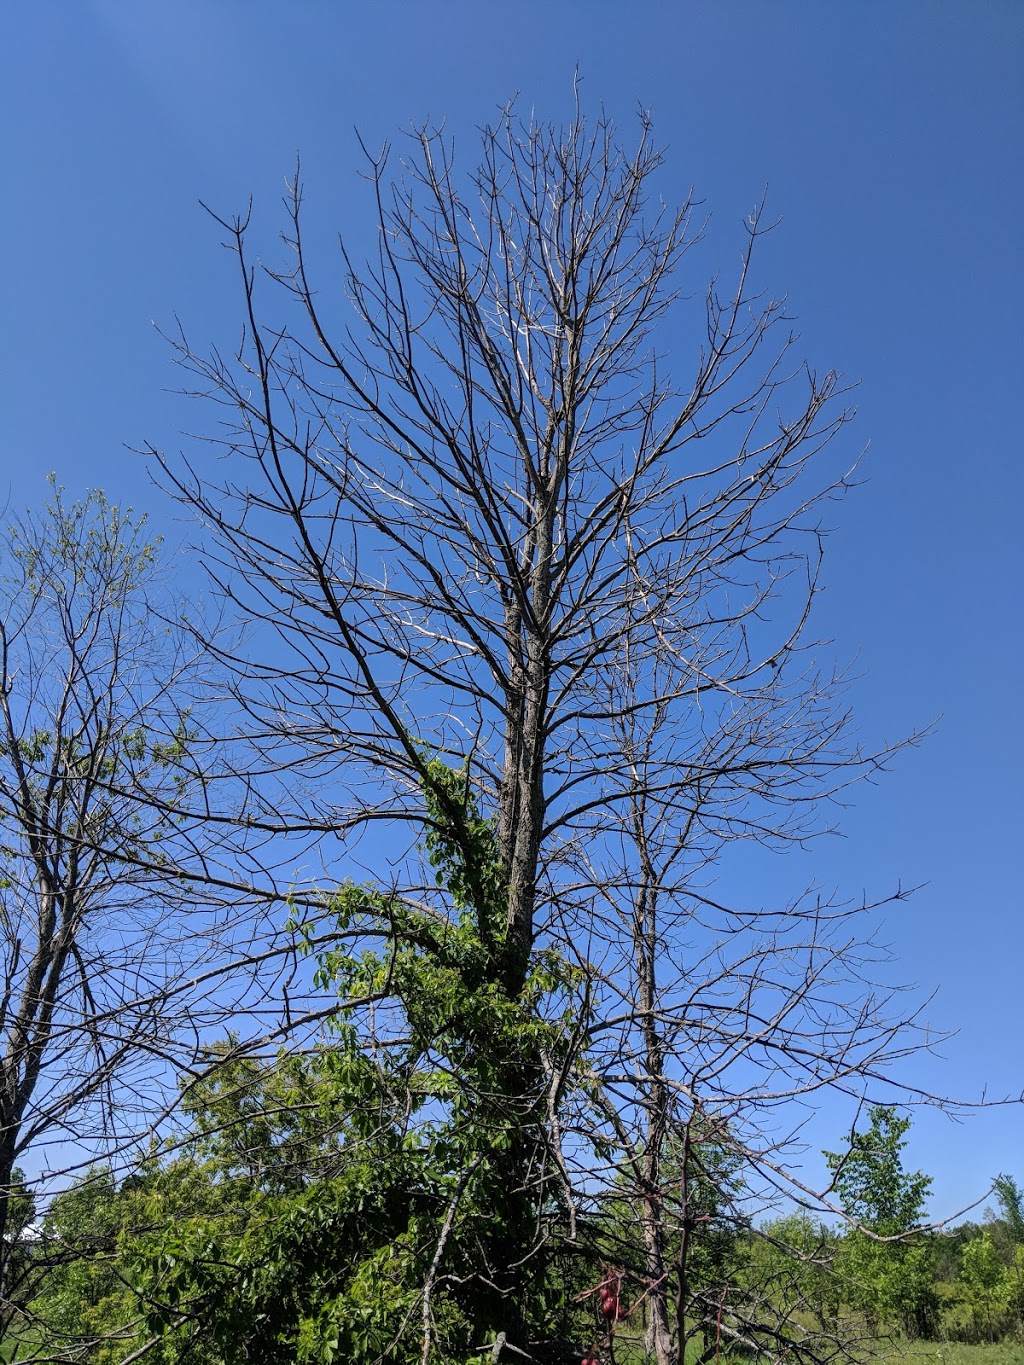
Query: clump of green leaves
[(887, 1264), (473, 1053), (344, 1187)]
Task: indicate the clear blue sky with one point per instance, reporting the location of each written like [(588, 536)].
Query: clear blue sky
[(889, 137)]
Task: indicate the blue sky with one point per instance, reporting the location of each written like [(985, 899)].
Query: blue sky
[(888, 137)]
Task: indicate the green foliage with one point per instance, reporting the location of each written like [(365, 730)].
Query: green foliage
[(472, 1060), (792, 1262), (330, 1270), (873, 1188), (82, 1296), (986, 1300), (267, 1235), (327, 1193), (984, 1276), (1010, 1198), (462, 847), (888, 1268)]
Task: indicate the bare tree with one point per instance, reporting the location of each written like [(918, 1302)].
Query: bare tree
[(482, 516), (717, 1028), (109, 944)]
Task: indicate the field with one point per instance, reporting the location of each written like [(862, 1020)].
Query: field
[(953, 1353), (917, 1353)]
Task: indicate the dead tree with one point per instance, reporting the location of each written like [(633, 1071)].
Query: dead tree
[(717, 1026), (527, 499)]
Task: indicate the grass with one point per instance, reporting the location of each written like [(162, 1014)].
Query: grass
[(951, 1353), (910, 1353)]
